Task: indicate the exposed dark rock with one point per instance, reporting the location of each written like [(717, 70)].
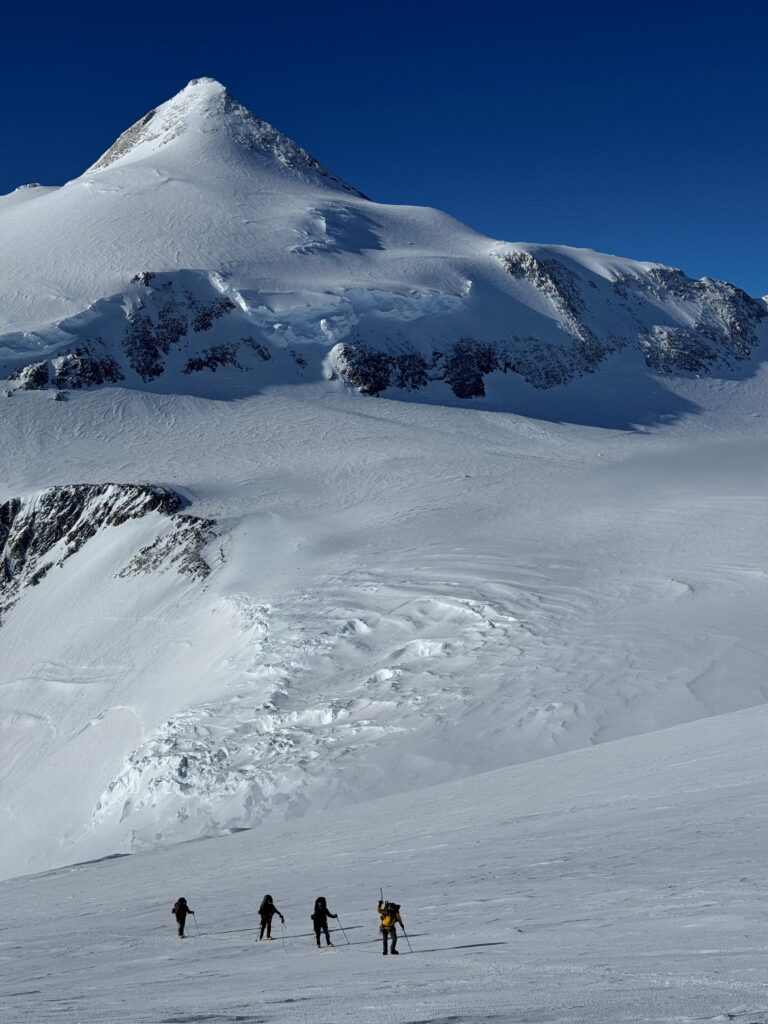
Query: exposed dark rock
[(82, 368), (210, 358), (372, 371), (145, 277), (723, 320), (365, 369), (562, 287), (409, 371), (162, 319), (45, 531), (723, 330), (467, 362), (206, 315), (138, 132), (581, 316), (146, 342), (182, 549), (261, 351), (34, 377)]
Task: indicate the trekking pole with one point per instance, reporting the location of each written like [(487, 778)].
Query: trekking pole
[(342, 928), (405, 933)]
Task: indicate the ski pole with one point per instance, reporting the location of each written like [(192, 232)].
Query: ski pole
[(196, 925), (282, 925), (342, 928), (405, 933)]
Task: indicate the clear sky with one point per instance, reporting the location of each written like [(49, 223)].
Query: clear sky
[(637, 129)]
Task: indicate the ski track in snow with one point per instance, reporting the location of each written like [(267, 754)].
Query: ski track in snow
[(620, 884)]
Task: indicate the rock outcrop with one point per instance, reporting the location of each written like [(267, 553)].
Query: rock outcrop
[(42, 532), (717, 327)]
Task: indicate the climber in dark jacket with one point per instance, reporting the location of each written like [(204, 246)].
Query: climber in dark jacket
[(267, 911), (320, 920), (180, 911)]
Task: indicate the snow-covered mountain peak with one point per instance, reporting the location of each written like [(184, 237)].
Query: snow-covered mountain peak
[(202, 83), (205, 119)]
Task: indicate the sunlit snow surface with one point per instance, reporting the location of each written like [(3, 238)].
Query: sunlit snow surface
[(401, 594), (396, 597), (623, 883)]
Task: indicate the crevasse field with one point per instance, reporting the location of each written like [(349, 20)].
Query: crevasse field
[(503, 591), (503, 657), (618, 883)]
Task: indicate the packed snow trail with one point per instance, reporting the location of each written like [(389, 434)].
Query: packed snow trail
[(623, 883)]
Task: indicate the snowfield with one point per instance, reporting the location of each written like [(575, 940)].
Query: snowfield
[(621, 883), (399, 594), (494, 640)]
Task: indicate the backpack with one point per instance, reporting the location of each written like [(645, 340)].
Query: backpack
[(392, 909)]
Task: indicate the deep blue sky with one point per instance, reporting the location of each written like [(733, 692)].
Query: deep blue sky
[(638, 129)]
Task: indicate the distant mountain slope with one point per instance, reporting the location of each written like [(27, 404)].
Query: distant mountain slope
[(202, 206), (226, 598)]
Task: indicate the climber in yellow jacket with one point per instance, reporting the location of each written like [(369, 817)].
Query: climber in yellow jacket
[(390, 916)]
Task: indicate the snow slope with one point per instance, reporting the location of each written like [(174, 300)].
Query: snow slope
[(617, 884), (235, 589), (204, 238), (399, 594)]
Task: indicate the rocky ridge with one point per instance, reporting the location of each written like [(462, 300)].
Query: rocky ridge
[(189, 322), (721, 330), (208, 105), (230, 251), (43, 532)]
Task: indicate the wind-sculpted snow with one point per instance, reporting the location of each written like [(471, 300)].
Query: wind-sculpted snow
[(41, 533)]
